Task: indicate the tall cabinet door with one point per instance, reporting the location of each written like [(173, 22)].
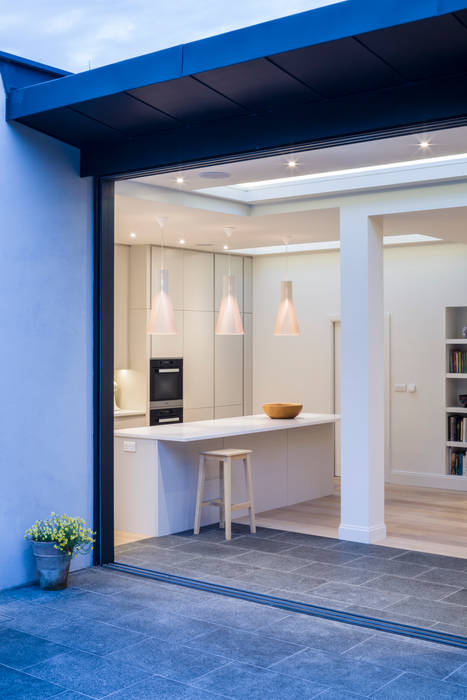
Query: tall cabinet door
[(198, 359), (228, 369)]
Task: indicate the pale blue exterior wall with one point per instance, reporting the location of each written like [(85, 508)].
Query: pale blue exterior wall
[(46, 340)]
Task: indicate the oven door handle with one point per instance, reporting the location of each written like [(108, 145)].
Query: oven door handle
[(169, 420), (167, 371)]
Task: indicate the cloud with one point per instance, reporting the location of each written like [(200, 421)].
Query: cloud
[(105, 31)]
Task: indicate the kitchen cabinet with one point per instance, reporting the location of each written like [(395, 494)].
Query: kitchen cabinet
[(228, 370), (248, 364), (121, 285), (198, 359), (198, 288)]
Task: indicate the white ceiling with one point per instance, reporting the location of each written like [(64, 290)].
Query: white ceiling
[(391, 150), (201, 226), (200, 219)]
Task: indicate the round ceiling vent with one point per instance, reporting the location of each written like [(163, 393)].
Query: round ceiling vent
[(214, 175)]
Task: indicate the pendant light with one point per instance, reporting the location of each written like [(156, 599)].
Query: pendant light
[(229, 321), (162, 317), (286, 321)]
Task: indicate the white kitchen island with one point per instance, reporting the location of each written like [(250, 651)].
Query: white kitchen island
[(156, 468)]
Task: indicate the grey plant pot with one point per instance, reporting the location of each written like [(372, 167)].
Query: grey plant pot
[(52, 565)]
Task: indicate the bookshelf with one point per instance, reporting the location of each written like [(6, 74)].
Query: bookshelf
[(456, 384)]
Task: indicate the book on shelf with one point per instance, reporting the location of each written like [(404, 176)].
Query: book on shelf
[(456, 460), (457, 429), (457, 362)]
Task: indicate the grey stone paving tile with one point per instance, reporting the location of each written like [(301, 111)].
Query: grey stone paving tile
[(336, 671), (291, 581), (216, 536), (415, 687), (164, 541), (162, 689), (300, 538), (396, 566), (431, 610), (373, 550), (309, 598), (236, 613), (243, 646), (412, 655), (390, 615), (175, 661), (335, 694), (410, 586), (19, 650), (17, 685), (278, 562), (357, 595), (99, 638), (317, 633), (458, 598), (449, 577), (164, 625), (459, 676), (271, 544), (434, 560), (337, 572), (237, 680), (96, 606), (102, 581), (327, 556), (163, 558), (227, 568), (199, 548), (87, 673), (34, 594), (261, 531), (35, 619)]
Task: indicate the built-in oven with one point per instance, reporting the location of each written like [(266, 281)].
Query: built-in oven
[(166, 390)]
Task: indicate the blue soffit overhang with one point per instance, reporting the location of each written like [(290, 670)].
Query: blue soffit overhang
[(343, 71)]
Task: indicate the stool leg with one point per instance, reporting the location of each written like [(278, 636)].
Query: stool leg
[(221, 494), (249, 481), (228, 497), (199, 495)]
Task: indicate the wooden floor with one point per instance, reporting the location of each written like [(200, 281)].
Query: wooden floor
[(428, 520)]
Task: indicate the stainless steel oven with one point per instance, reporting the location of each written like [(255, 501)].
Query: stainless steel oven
[(166, 390)]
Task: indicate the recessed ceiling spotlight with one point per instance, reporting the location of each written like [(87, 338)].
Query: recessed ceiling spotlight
[(424, 144), (132, 235), (292, 163), (182, 241), (214, 174), (180, 180), (226, 247)]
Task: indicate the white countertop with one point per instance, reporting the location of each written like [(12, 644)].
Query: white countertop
[(223, 427)]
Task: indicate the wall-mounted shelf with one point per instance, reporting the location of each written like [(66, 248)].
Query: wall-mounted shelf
[(455, 348)]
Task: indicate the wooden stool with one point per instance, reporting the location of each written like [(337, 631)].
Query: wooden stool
[(224, 502)]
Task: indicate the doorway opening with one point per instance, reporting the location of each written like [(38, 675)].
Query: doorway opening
[(229, 221)]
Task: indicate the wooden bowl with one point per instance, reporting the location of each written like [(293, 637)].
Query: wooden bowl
[(282, 410)]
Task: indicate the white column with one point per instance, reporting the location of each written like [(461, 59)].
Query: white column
[(362, 378)]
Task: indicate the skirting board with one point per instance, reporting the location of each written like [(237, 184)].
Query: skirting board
[(430, 481), (354, 533)]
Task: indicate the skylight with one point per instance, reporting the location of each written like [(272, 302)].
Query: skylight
[(409, 238)]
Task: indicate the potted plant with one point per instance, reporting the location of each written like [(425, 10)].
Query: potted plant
[(55, 541)]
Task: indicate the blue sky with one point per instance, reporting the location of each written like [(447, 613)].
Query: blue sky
[(71, 34)]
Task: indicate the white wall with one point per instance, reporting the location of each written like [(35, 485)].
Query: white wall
[(46, 333), (419, 282)]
